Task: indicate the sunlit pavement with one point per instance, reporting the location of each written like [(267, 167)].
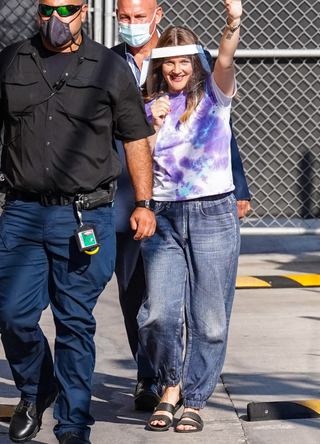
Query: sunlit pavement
[(273, 355)]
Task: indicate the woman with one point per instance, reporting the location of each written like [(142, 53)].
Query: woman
[(191, 261)]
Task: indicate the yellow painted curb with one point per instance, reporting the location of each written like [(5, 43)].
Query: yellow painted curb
[(6, 411), (313, 404), (249, 281), (278, 281), (307, 280)]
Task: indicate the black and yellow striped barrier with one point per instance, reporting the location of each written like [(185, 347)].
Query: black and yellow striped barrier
[(6, 411), (288, 281), (257, 411), (266, 411)]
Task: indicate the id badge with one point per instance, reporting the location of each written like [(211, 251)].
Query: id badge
[(87, 239)]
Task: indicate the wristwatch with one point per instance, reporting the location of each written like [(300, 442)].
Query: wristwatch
[(150, 204)]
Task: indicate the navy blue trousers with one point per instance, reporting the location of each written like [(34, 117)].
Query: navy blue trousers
[(132, 286), (40, 264)]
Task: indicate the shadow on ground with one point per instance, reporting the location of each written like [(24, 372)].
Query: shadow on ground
[(279, 244)]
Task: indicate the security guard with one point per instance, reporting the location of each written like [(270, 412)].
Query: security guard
[(63, 99)]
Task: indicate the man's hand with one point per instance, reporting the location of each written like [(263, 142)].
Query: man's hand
[(143, 221), (243, 208)]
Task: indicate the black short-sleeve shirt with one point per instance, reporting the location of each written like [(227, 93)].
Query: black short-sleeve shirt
[(65, 143)]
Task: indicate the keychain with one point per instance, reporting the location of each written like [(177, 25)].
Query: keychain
[(86, 235)]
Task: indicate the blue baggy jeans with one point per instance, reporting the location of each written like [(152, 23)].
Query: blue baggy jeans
[(190, 265), (40, 263)]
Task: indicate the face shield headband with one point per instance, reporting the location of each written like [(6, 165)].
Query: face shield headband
[(182, 50), (172, 51)]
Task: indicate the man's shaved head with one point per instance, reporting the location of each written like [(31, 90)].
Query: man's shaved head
[(143, 4), (138, 11)]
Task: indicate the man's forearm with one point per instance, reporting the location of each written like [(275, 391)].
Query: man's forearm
[(139, 164)]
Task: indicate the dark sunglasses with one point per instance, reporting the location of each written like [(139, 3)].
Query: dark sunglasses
[(63, 11)]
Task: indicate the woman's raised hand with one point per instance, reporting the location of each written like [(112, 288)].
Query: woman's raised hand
[(234, 9), (159, 110)]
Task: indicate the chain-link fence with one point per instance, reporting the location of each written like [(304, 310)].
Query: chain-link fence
[(17, 21), (276, 118), (267, 24), (277, 126)]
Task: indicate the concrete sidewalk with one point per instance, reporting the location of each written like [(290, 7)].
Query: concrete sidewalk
[(274, 348), (273, 354)]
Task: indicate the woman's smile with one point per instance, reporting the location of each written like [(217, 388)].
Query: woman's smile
[(177, 72)]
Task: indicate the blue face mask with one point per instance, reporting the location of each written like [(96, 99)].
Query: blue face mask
[(136, 35)]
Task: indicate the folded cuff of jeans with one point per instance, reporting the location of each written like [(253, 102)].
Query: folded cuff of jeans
[(194, 404)]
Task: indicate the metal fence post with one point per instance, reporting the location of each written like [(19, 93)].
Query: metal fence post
[(98, 18)]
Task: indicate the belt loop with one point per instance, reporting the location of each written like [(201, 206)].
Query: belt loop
[(43, 200)]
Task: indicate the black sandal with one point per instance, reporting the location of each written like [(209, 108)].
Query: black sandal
[(194, 421), (166, 407)]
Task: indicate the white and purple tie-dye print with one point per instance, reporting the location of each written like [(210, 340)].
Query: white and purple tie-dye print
[(193, 160)]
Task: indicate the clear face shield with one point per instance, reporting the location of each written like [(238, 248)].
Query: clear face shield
[(176, 69)]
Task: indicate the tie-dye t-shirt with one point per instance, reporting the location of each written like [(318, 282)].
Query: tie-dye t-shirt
[(193, 160)]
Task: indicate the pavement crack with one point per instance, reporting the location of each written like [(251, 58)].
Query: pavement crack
[(234, 407)]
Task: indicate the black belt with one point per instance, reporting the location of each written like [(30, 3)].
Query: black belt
[(88, 201), (46, 200)]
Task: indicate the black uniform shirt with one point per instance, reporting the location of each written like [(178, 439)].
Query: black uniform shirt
[(65, 144), (56, 63)]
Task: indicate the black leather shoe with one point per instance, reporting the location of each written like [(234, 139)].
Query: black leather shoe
[(148, 394), (74, 438), (26, 420)]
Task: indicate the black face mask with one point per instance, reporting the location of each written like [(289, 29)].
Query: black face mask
[(56, 32)]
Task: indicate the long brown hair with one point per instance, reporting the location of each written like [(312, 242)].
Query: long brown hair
[(157, 86)]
